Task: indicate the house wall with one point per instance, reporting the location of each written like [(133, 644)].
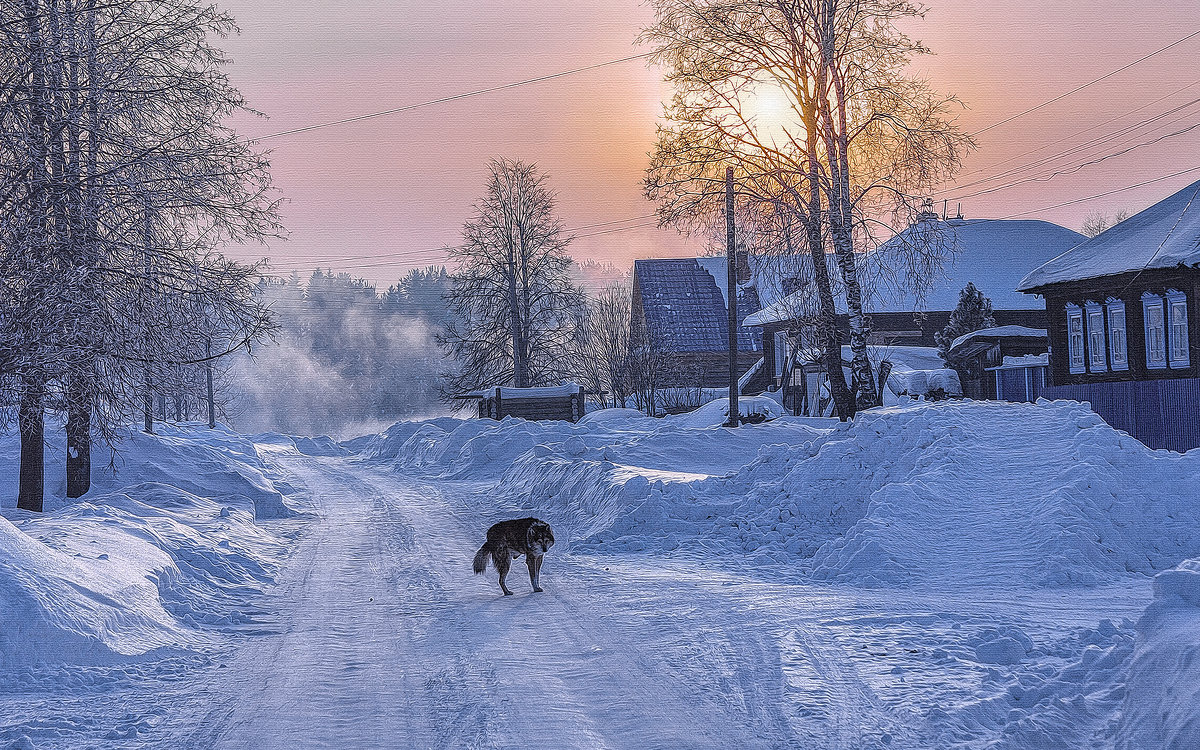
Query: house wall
[(1129, 289)]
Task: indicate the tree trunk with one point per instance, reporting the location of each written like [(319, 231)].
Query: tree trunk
[(841, 220), (212, 404), (79, 438), (148, 406), (31, 422)]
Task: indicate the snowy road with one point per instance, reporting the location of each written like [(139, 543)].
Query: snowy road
[(377, 635), (387, 640)]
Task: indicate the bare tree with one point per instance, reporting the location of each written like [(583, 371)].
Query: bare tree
[(603, 357), (1097, 222), (857, 135), (117, 182), (514, 306)]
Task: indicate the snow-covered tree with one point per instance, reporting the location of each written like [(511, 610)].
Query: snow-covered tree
[(118, 180), (514, 307), (972, 313)]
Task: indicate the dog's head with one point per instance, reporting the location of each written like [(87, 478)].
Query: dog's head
[(539, 538)]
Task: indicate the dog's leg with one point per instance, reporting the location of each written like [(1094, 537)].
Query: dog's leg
[(534, 562), (502, 563), (535, 571)]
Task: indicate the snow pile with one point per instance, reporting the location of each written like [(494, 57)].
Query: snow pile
[(716, 413), (159, 555), (1162, 698), (952, 493), (487, 449), (1025, 494), (918, 383)]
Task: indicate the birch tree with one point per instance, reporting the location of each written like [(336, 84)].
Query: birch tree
[(852, 138), (514, 307)]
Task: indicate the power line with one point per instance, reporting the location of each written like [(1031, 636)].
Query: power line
[(1057, 141), (1099, 195), (1097, 141), (324, 258), (451, 98), (406, 257), (1093, 82)]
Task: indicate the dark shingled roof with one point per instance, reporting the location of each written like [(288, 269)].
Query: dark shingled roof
[(685, 310)]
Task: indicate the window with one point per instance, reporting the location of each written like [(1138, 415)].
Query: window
[(1156, 342), (1178, 328), (1118, 347), (1097, 361), (1075, 337), (781, 352)]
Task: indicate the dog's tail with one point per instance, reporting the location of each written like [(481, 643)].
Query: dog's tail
[(481, 557)]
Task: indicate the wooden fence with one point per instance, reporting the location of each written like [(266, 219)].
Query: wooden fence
[(1160, 413)]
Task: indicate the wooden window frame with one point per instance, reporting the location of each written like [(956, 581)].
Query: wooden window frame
[(1075, 312), (1176, 301), (1097, 337), (1153, 306), (1118, 343)]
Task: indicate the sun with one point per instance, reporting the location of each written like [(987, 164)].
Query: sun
[(770, 111)]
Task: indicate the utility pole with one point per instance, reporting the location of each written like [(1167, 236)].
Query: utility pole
[(731, 285)]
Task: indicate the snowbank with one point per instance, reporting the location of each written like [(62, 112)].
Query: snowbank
[(158, 555), (1162, 696), (952, 493)]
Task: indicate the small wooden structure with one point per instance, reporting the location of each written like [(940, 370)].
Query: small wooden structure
[(560, 402), (979, 357)]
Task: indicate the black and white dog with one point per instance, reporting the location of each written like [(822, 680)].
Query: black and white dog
[(509, 540)]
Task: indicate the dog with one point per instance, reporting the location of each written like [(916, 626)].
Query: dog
[(509, 540)]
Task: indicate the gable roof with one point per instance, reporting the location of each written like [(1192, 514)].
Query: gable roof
[(1164, 235), (993, 254), (684, 307)]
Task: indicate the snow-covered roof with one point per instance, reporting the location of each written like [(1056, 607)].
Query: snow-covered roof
[(1164, 235), (993, 254), (550, 391), (1020, 363), (998, 332)]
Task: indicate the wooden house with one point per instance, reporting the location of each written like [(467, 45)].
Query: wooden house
[(1121, 311), (561, 402), (680, 306), (991, 253)]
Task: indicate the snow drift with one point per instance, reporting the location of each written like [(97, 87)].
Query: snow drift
[(951, 493), (1163, 684), (158, 556)]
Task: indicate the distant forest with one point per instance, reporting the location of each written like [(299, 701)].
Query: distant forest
[(349, 359), (346, 358)]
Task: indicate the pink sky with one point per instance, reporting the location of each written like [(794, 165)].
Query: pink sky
[(397, 188)]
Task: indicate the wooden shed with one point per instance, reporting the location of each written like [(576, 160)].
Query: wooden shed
[(560, 402), (979, 358)]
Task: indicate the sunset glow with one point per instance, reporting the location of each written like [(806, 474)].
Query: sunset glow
[(399, 187)]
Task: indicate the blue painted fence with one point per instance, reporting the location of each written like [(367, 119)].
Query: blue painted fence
[(1160, 413)]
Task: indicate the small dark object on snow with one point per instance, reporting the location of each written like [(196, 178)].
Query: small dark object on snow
[(509, 540), (757, 417)]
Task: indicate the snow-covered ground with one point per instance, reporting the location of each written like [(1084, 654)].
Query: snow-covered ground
[(948, 575)]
